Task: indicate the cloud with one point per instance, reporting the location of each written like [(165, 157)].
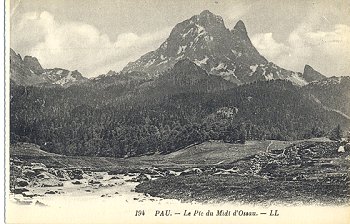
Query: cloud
[(235, 10), (327, 51), (268, 47), (81, 46)]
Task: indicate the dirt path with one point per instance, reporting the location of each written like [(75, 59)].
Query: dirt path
[(219, 162), (267, 149)]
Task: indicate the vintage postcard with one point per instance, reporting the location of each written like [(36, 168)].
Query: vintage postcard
[(163, 111)]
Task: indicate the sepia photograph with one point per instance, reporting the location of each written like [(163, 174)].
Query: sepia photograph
[(177, 111)]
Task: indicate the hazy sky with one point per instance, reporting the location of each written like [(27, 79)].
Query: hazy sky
[(97, 36)]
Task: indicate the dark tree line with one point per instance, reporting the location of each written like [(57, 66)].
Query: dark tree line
[(105, 122)]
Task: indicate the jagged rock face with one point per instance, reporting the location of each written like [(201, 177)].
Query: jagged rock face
[(332, 92), (33, 64), (311, 74), (22, 74), (29, 72), (206, 41), (186, 76), (63, 77)]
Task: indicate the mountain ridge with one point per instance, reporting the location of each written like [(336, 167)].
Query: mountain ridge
[(333, 92), (205, 40), (29, 72)]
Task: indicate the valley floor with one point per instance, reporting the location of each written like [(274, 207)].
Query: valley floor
[(309, 172)]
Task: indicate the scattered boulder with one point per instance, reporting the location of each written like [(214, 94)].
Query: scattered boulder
[(191, 171), (38, 168), (20, 190), (76, 174), (50, 183), (114, 178), (28, 173), (76, 182), (142, 177), (60, 173), (28, 194), (98, 176), (151, 171), (92, 181), (50, 192), (21, 182), (170, 173), (46, 175), (38, 203)]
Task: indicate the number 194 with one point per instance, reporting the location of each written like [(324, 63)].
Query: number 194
[(140, 213)]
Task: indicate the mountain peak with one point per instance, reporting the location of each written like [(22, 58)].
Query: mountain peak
[(208, 18), (240, 27), (33, 64), (207, 13), (210, 46), (111, 72), (311, 74), (28, 72), (308, 68)]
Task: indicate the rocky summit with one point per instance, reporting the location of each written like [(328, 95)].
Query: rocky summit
[(29, 72), (311, 74), (205, 40)]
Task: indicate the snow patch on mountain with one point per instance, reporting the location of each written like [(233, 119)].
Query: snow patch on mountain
[(66, 79), (189, 31), (200, 29), (295, 78), (329, 81), (219, 67), (181, 49), (206, 41), (201, 62), (149, 63), (269, 76), (179, 57), (253, 67), (163, 62)]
